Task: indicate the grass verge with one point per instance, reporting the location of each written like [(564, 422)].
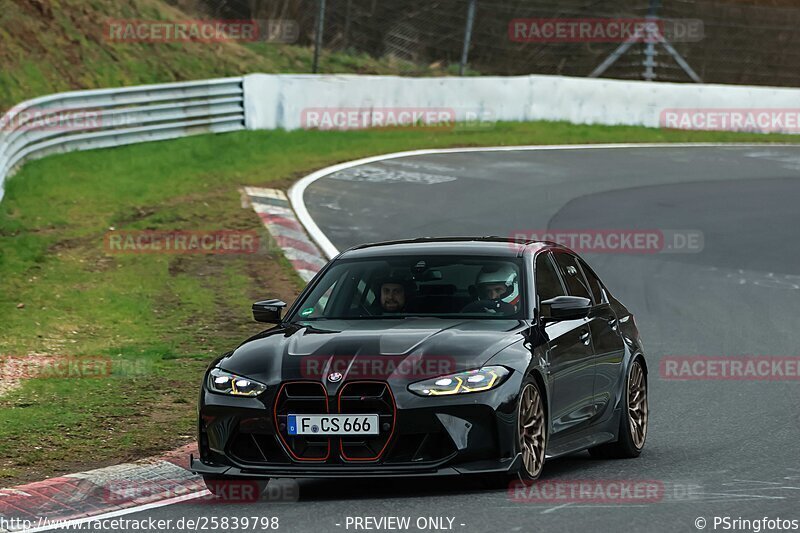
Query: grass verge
[(62, 294)]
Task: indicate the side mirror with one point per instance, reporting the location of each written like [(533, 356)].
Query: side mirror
[(268, 311), (565, 308)]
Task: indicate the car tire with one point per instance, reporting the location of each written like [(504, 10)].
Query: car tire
[(633, 421), (234, 489), (523, 475), (531, 431)]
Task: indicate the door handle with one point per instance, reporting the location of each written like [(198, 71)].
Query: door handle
[(585, 337)]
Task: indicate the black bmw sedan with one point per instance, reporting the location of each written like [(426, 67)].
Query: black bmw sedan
[(429, 357)]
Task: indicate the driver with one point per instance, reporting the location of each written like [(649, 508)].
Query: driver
[(498, 291), (395, 293), (393, 297)]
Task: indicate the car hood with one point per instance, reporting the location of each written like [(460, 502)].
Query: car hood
[(408, 349)]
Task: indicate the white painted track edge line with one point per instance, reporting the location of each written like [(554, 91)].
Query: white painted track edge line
[(330, 251)]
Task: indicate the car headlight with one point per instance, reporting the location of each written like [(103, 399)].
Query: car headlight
[(226, 383), (479, 380)]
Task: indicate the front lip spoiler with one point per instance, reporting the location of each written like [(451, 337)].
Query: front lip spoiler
[(506, 466)]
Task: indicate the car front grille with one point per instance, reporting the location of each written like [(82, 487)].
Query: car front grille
[(370, 398), (301, 398)]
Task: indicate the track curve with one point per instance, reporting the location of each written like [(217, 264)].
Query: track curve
[(719, 448)]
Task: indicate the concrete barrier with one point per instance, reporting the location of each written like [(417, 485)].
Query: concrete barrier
[(280, 101)]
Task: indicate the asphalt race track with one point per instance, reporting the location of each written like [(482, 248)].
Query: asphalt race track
[(717, 448)]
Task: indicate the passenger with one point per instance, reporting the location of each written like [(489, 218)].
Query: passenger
[(498, 291)]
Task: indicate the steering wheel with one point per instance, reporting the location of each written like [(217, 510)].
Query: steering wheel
[(363, 310), (488, 306)]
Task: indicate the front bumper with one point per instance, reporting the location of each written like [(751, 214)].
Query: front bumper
[(420, 436), (501, 466)]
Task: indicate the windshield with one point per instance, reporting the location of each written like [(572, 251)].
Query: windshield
[(418, 286)]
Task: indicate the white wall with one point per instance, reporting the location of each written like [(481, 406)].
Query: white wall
[(277, 101)]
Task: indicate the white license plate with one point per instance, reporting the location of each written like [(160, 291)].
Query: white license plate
[(333, 425)]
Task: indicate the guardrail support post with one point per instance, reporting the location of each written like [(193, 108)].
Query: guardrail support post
[(467, 36), (318, 36)]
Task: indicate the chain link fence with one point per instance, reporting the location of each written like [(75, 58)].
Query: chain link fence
[(751, 42)]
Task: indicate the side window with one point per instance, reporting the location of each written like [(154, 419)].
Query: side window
[(359, 297), (547, 283), (573, 277), (594, 283), (322, 303), (320, 306)]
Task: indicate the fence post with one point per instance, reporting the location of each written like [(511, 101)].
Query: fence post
[(650, 53), (347, 15), (318, 36), (467, 36)]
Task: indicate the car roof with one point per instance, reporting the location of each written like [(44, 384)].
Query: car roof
[(490, 245)]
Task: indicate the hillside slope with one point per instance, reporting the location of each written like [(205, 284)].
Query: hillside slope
[(48, 46)]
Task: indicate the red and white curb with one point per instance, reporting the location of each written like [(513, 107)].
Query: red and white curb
[(273, 208), (45, 504)]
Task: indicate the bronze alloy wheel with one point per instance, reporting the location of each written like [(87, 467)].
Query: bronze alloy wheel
[(637, 404), (532, 430)]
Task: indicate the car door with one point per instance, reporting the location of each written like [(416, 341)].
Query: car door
[(609, 348), (570, 355)]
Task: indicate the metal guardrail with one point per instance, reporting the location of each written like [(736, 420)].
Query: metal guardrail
[(84, 120)]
